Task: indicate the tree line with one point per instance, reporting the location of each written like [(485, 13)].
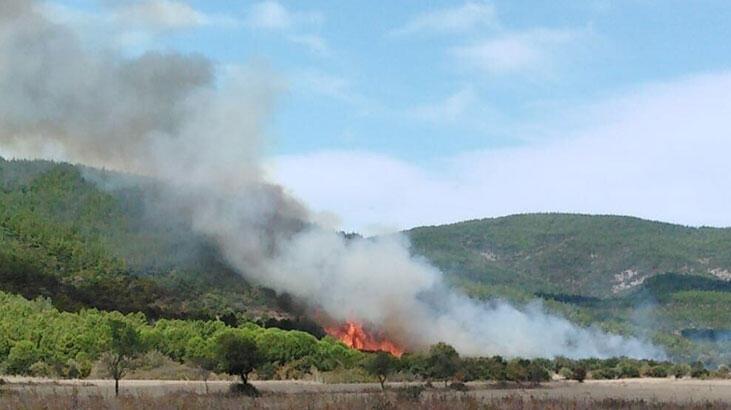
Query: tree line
[(37, 339)]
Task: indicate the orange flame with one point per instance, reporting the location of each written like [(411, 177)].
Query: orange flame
[(353, 335)]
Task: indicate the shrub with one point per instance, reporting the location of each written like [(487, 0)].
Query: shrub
[(40, 369), (579, 374), (566, 373), (517, 370), (628, 369), (442, 362), (245, 389), (537, 373), (22, 355), (680, 370), (698, 370), (266, 371), (657, 371), (605, 373)]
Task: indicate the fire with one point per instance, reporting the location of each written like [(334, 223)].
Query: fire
[(353, 335)]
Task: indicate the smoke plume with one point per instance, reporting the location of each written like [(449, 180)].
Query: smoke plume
[(165, 115)]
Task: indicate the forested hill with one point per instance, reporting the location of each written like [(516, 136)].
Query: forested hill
[(598, 256), (63, 237)]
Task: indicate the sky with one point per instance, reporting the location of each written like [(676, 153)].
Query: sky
[(399, 114)]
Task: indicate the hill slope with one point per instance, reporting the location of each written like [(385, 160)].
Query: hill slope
[(63, 237), (598, 256)]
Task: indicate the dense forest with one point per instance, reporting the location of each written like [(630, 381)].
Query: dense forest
[(63, 237)]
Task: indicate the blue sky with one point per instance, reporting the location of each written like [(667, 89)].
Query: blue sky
[(395, 114)]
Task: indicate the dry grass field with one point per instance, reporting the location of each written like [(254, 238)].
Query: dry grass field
[(161, 395)]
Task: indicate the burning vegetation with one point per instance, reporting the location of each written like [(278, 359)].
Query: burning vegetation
[(354, 335)]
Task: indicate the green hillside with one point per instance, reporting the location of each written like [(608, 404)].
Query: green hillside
[(64, 238), (598, 256), (624, 274)]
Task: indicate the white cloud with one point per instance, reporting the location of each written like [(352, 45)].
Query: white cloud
[(160, 14), (530, 51), (272, 15), (660, 152), (458, 19)]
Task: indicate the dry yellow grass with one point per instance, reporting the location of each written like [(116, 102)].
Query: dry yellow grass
[(163, 395)]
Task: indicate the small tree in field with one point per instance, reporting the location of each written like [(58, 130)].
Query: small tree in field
[(124, 345), (238, 355), (381, 365), (579, 374), (442, 362)]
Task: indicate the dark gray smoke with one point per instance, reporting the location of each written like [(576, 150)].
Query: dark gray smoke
[(161, 115)]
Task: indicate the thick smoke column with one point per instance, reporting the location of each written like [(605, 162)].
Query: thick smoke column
[(162, 115)]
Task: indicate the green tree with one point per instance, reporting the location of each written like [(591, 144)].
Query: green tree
[(442, 362), (537, 373), (381, 365), (517, 370), (628, 368), (237, 354), (124, 345), (200, 354), (21, 357)]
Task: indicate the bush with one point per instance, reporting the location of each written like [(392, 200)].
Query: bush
[(680, 370), (442, 363), (40, 369), (21, 357), (579, 374), (605, 373), (566, 373), (698, 370), (537, 373), (628, 369), (517, 370), (244, 389), (657, 371)]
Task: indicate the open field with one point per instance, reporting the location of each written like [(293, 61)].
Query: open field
[(631, 393)]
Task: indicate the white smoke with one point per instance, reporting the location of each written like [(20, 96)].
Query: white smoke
[(160, 115)]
